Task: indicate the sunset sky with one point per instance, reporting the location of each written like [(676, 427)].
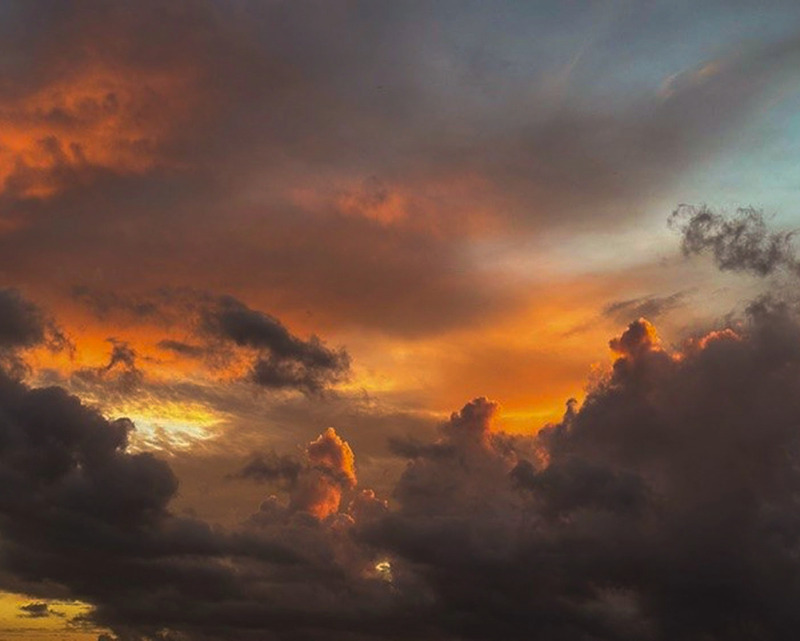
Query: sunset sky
[(371, 321)]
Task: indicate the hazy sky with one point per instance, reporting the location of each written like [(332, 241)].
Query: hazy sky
[(228, 226)]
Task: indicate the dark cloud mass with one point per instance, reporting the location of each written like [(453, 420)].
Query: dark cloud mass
[(21, 322), (195, 187), (24, 324), (663, 508)]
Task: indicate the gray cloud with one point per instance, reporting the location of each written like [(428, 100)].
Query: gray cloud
[(23, 325), (220, 326), (182, 349), (285, 361), (351, 172), (271, 468), (663, 507), (37, 610), (646, 306), (740, 242)]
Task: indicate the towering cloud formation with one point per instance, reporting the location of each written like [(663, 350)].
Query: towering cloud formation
[(665, 507), (331, 470)]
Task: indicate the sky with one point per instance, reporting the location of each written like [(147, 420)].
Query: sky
[(380, 321)]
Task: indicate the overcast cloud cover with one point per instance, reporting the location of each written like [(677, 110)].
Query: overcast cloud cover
[(253, 255)]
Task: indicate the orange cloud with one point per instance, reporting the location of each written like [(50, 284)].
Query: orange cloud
[(332, 470), (102, 116)]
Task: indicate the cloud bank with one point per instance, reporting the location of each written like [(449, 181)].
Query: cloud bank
[(663, 507)]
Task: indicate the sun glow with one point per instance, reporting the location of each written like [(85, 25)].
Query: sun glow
[(24, 616), (170, 426)]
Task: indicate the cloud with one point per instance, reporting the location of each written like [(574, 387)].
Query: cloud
[(741, 242), (662, 507), (645, 306), (271, 468), (121, 373), (182, 349), (353, 173), (284, 360), (37, 610), (315, 486), (224, 329), (24, 324), (104, 303)]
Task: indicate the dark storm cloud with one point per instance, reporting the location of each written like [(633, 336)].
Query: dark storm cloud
[(662, 508), (24, 324), (739, 242), (78, 510)]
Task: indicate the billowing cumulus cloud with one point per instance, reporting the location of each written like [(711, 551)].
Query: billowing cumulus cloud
[(663, 507), (331, 471), (214, 197), (316, 485)]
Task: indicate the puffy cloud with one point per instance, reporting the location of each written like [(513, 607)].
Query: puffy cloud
[(284, 361), (741, 242), (331, 471), (641, 336), (662, 507)]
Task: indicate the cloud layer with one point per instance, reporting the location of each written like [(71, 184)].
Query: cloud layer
[(663, 507)]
